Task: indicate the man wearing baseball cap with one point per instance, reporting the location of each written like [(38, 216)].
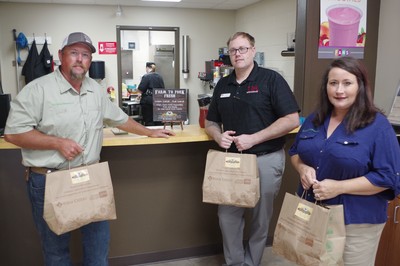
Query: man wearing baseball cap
[(57, 120), (78, 37)]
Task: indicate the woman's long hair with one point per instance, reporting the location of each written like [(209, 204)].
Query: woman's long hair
[(363, 110)]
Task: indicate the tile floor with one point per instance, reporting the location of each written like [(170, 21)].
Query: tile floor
[(269, 259)]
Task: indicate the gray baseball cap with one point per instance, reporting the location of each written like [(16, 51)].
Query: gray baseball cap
[(78, 37)]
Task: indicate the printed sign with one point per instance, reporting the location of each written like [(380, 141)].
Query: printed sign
[(343, 28), (170, 105), (107, 48)]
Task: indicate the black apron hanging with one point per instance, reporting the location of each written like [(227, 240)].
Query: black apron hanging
[(45, 63), (29, 67)]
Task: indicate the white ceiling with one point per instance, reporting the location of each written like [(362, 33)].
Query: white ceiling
[(206, 4)]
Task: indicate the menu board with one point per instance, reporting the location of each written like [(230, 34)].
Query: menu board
[(170, 105), (394, 115)]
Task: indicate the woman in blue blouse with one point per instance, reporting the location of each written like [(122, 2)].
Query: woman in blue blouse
[(347, 153)]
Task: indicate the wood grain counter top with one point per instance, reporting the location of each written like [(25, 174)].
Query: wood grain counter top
[(190, 133)]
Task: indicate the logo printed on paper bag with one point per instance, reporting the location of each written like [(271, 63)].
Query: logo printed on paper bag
[(232, 162), (303, 212), (80, 176)]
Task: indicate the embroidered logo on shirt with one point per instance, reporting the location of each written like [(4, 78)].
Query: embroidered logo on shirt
[(252, 89)]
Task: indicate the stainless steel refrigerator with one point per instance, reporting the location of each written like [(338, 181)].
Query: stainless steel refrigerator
[(164, 59)]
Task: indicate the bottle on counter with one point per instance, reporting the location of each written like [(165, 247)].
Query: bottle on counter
[(204, 101)]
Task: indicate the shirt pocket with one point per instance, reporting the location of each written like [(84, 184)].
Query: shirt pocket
[(307, 143), (62, 119), (350, 152), (307, 134)]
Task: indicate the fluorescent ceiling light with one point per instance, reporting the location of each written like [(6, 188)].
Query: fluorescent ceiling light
[(161, 0)]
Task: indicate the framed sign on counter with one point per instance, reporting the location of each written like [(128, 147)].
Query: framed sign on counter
[(170, 105)]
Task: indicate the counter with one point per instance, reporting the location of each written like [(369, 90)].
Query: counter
[(157, 186), (190, 133)]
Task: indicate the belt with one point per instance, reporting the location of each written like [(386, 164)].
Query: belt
[(38, 170), (44, 170), (267, 152), (41, 170)]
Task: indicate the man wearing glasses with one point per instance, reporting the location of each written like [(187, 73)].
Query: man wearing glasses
[(251, 111), (57, 120)]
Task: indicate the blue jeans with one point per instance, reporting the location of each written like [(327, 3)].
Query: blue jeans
[(95, 236)]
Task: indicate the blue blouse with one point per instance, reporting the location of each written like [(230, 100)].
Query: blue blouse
[(372, 152)]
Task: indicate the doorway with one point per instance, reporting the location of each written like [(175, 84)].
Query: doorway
[(137, 45)]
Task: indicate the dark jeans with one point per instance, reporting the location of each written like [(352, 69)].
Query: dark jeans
[(95, 236)]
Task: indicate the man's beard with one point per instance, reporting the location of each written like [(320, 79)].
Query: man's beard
[(78, 76)]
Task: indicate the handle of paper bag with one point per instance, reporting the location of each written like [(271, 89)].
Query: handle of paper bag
[(226, 150), (83, 161), (316, 202)]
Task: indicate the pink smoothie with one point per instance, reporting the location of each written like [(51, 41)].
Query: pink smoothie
[(344, 21)]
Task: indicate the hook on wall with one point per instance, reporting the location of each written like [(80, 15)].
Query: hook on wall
[(39, 40)]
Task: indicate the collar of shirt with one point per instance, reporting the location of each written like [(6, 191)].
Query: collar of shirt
[(251, 77), (66, 86)]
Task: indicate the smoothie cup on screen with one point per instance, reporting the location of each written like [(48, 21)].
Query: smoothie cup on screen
[(344, 21)]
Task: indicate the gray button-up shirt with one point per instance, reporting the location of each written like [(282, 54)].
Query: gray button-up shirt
[(50, 105)]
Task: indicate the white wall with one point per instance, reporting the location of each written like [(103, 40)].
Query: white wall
[(269, 22), (388, 61), (208, 30)]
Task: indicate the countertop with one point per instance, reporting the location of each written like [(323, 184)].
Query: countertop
[(190, 133)]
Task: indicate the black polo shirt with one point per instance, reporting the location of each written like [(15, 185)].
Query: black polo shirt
[(252, 105)]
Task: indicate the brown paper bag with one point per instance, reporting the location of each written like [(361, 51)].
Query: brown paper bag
[(79, 196), (309, 234), (231, 179)]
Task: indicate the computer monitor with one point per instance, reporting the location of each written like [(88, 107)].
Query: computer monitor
[(5, 100)]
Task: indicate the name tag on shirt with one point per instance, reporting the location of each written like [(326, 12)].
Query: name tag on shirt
[(225, 95)]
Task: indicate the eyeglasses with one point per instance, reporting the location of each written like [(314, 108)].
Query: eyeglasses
[(242, 50), (75, 54)]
